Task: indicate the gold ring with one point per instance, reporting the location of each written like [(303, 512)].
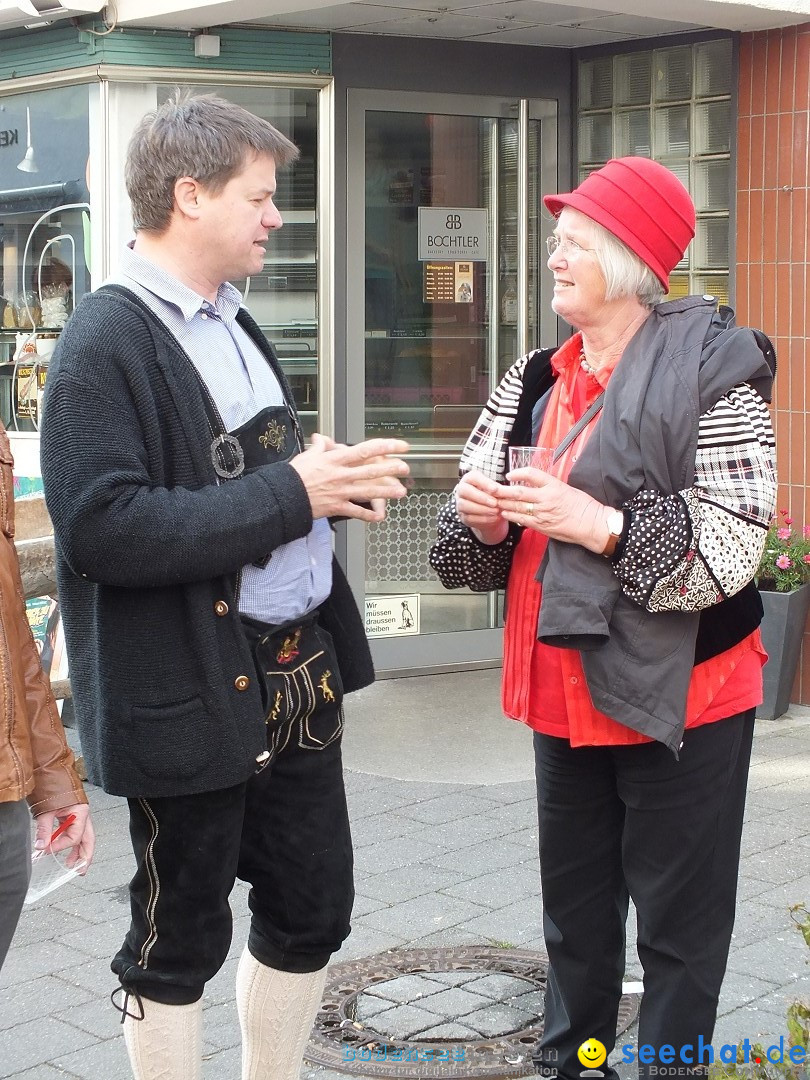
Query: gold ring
[(528, 509)]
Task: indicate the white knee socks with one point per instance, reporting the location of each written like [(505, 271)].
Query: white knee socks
[(276, 1012), (167, 1043)]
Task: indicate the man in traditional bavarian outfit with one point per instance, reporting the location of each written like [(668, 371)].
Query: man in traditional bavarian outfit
[(211, 634)]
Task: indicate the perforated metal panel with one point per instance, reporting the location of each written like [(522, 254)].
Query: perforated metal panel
[(397, 549)]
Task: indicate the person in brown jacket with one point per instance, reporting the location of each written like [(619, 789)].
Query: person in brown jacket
[(37, 768)]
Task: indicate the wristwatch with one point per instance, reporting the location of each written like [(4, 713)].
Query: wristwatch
[(615, 524)]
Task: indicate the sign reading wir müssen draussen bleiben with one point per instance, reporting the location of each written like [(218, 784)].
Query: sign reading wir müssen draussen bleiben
[(452, 233)]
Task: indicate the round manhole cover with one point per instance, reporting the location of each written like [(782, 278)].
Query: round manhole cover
[(454, 1013)]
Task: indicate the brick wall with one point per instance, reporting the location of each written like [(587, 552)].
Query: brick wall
[(773, 247)]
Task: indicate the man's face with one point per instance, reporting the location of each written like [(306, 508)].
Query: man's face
[(237, 221)]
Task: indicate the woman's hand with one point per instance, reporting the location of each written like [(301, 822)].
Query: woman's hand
[(479, 509), (79, 835), (537, 500)]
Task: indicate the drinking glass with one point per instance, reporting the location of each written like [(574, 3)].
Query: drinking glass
[(535, 457)]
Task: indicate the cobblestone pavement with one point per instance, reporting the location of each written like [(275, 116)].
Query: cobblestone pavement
[(443, 813)]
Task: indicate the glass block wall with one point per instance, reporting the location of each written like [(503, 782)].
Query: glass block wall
[(673, 105)]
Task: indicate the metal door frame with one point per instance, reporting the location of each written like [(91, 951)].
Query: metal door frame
[(451, 650)]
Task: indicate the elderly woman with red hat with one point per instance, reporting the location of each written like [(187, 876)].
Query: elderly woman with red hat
[(631, 644)]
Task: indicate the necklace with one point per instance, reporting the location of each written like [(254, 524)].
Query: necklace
[(586, 366)]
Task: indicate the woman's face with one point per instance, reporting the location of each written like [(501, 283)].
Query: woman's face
[(579, 285)]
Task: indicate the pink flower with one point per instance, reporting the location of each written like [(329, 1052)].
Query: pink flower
[(783, 534), (784, 513), (806, 531), (788, 520), (807, 558), (784, 563)]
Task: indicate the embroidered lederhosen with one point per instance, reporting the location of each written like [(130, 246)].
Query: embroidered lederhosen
[(295, 661)]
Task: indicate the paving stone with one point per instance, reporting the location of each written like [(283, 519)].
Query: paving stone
[(369, 1006), (739, 990), (784, 796), (457, 1032), (455, 835), (406, 882), (405, 988), (97, 1017), (363, 905), (106, 875), (221, 1027), (514, 925), (501, 887), (39, 922), (448, 938), (527, 838), (795, 891), (455, 978), (454, 1002), (47, 995), (104, 1060), (44, 1072), (508, 793), (787, 953), (366, 941), (533, 1002), (499, 987), (26, 962), (422, 915), (102, 941), (38, 1041), (227, 1065), (446, 808), (498, 1020), (486, 856), (377, 858), (377, 828), (405, 1020)]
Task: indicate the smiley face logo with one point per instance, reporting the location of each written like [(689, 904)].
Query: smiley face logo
[(592, 1053)]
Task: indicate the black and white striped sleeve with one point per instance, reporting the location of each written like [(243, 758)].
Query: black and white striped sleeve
[(690, 550), (458, 557)]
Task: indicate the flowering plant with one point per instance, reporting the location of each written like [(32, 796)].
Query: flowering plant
[(785, 562)]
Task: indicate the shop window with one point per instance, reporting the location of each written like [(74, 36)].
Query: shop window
[(284, 299), (673, 105), (44, 238)]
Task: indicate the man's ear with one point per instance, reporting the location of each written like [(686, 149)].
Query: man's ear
[(187, 196)]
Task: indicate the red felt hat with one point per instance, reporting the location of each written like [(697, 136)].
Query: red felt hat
[(640, 202)]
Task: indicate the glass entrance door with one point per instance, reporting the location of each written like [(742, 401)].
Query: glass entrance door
[(445, 235)]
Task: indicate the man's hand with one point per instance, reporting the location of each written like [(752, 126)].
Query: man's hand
[(79, 836), (338, 478), (478, 508)]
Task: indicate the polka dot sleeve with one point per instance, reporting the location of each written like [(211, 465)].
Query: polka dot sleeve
[(460, 559), (692, 549)]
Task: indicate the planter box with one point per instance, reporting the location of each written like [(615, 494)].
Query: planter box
[(782, 630)]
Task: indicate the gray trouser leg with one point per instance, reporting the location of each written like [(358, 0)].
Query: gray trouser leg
[(15, 867)]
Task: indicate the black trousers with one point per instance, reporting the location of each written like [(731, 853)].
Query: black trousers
[(286, 831), (619, 821)]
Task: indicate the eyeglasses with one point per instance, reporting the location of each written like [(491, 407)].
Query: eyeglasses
[(567, 247)]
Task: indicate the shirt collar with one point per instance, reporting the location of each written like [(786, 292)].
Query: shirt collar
[(170, 289), (566, 361)]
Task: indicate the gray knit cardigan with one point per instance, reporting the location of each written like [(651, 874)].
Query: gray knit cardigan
[(149, 548)]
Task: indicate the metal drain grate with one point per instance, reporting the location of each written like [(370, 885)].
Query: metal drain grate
[(472, 1011)]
